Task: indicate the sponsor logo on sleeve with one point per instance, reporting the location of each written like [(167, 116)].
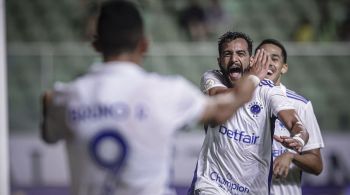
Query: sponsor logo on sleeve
[(209, 83)]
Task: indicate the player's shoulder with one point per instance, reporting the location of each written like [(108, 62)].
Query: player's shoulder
[(213, 78), (80, 81), (266, 83), (267, 89), (212, 73), (294, 96)]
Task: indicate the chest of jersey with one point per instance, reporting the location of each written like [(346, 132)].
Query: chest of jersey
[(248, 125)]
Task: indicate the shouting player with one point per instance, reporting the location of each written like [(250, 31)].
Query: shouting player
[(236, 156)]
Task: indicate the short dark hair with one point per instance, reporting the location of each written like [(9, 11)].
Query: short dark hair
[(278, 44), (230, 36), (119, 27)]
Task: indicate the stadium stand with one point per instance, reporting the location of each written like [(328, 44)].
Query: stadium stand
[(323, 79)]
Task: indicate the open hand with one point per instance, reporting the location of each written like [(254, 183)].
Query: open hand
[(289, 142), (259, 64)]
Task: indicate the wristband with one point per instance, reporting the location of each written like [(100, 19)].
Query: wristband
[(254, 79), (297, 137)]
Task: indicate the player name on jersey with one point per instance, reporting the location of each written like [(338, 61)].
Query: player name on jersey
[(117, 110)]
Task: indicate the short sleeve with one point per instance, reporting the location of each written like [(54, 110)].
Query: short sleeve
[(309, 120), (211, 79), (277, 101), (184, 103)]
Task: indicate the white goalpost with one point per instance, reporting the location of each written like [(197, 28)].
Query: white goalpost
[(4, 158)]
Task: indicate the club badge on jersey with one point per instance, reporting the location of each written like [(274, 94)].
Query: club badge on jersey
[(255, 108)]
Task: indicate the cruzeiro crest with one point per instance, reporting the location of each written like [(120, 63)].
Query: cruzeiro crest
[(255, 108)]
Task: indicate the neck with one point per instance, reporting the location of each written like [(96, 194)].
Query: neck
[(278, 81), (128, 57)]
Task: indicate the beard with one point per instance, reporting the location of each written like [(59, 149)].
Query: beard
[(233, 73)]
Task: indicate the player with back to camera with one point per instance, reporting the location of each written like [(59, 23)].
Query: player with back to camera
[(118, 121), (236, 156), (288, 165)]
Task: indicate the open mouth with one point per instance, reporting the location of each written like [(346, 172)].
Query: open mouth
[(269, 72), (235, 71)]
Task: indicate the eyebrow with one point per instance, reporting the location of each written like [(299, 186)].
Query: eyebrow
[(241, 51), (237, 51), (275, 55)]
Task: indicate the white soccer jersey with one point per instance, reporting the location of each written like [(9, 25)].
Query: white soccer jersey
[(119, 123), (213, 78), (235, 156), (292, 184)]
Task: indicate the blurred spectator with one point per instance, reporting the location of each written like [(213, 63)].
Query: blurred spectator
[(89, 14), (305, 31), (344, 27), (193, 20), (217, 18), (327, 25)]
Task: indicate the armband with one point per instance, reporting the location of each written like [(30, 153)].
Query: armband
[(297, 137)]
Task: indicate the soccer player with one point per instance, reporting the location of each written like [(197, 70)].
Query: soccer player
[(118, 121), (236, 156), (288, 165)]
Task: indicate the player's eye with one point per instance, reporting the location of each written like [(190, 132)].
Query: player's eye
[(241, 54), (227, 54)]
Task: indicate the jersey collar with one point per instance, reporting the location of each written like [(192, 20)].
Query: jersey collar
[(115, 66)]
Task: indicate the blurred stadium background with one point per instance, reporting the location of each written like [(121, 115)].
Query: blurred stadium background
[(48, 40)]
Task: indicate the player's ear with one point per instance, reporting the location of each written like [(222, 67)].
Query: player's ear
[(284, 69), (143, 44), (251, 61), (96, 44)]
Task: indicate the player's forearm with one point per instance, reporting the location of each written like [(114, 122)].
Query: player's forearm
[(219, 108), (245, 88), (294, 125), (299, 130), (222, 106), (309, 161), (243, 93), (45, 132), (45, 99), (219, 90)]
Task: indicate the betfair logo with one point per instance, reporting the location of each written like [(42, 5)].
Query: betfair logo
[(239, 136)]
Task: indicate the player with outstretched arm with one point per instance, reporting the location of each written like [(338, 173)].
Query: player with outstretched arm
[(236, 156)]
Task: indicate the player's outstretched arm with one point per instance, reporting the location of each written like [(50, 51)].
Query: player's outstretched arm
[(299, 134), (222, 106), (52, 127), (45, 101), (309, 161)]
